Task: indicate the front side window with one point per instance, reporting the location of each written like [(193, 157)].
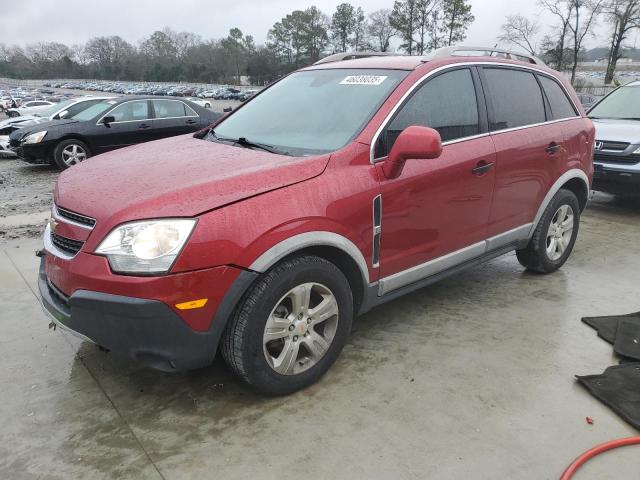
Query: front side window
[(312, 112), (623, 103), (446, 103), (131, 111), (516, 98), (561, 106)]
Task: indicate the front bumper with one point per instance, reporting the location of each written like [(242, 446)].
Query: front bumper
[(33, 153), (148, 331), (616, 179)]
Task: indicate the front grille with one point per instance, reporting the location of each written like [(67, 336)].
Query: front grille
[(66, 244), (76, 217), (625, 159), (614, 146)]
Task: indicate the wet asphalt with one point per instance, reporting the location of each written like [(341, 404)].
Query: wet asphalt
[(469, 378)]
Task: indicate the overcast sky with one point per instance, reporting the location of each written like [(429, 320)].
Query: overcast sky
[(75, 21)]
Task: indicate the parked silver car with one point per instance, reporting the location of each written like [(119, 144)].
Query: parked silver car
[(617, 148)]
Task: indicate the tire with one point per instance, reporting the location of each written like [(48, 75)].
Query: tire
[(246, 347), (63, 150), (207, 105), (555, 235), (13, 114)]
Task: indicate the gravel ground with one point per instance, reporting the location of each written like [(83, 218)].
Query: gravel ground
[(26, 193)]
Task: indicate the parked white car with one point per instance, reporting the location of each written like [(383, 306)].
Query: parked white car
[(5, 151), (56, 111), (199, 101), (29, 108)]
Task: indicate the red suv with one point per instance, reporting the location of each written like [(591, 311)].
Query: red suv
[(342, 186)]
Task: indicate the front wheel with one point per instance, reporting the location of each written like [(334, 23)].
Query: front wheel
[(555, 235), (70, 152), (291, 326), (207, 105)]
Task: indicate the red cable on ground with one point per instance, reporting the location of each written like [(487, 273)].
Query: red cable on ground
[(586, 456)]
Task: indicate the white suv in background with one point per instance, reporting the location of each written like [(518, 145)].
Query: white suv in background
[(617, 150)]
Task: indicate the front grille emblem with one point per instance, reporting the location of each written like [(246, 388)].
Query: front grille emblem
[(599, 145)]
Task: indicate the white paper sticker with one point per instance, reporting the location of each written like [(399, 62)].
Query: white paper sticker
[(363, 80)]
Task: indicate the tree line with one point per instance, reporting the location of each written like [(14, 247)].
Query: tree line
[(299, 39), (573, 21)]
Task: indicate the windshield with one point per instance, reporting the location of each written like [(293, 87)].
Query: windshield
[(624, 103), (312, 112), (94, 110), (58, 107)]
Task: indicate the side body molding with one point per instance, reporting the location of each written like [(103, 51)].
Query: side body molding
[(564, 178), (310, 239)]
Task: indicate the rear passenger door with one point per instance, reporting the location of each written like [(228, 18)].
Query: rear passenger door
[(529, 149), (442, 205), (173, 117)]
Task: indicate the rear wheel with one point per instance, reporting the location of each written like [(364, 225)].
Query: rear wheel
[(70, 152), (291, 326), (555, 235)]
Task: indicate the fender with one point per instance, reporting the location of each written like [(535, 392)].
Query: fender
[(310, 239), (564, 178)]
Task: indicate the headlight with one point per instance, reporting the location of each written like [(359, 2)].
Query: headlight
[(146, 247), (637, 151), (34, 137)]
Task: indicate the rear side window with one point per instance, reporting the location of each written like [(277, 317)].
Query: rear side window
[(131, 111), (516, 98), (446, 103), (561, 106), (171, 109)]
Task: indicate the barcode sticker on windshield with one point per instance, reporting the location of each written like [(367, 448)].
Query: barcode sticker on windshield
[(363, 80)]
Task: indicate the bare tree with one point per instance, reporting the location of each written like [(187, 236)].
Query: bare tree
[(624, 16), (585, 14), (562, 10), (520, 31), (380, 29)]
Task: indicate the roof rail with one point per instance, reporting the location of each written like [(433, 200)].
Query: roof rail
[(339, 57), (463, 51)]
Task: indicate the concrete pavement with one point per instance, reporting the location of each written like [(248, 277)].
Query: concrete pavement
[(469, 378)]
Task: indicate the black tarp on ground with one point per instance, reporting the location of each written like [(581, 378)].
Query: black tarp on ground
[(607, 327), (618, 388)]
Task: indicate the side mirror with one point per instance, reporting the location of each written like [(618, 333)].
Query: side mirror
[(413, 143), (62, 114), (228, 110), (108, 119)]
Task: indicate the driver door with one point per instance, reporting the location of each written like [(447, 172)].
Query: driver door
[(133, 124), (440, 206)]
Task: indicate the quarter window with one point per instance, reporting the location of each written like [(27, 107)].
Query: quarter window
[(131, 111), (446, 103), (561, 106), (516, 98)]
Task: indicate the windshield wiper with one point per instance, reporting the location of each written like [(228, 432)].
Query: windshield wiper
[(243, 142)]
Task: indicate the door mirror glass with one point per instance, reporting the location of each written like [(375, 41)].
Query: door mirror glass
[(413, 143)]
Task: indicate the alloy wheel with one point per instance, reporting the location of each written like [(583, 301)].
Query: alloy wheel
[(300, 329), (560, 232), (73, 154)]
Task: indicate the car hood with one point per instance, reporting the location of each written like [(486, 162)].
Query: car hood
[(614, 130), (17, 120), (176, 177), (44, 124)]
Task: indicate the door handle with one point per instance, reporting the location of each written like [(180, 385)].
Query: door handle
[(191, 122), (144, 126), (482, 168), (553, 148)]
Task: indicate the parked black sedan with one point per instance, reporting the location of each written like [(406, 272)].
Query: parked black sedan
[(108, 125)]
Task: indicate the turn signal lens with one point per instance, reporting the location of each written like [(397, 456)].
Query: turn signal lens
[(192, 304)]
